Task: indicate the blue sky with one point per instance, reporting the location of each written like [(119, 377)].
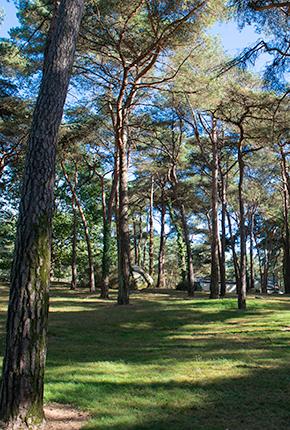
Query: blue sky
[(233, 39)]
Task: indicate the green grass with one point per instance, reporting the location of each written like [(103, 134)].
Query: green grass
[(169, 363)]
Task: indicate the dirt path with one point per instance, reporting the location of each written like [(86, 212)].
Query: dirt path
[(64, 417)]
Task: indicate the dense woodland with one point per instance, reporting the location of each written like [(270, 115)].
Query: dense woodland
[(169, 166)]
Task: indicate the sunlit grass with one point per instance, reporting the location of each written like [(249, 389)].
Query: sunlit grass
[(166, 362)]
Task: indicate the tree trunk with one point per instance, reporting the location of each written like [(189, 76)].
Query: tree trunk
[(190, 272), (74, 249), (86, 231), (151, 229), (107, 229), (223, 239), (235, 258), (161, 255), (286, 238), (180, 245), (214, 279), (124, 236), (252, 270), (21, 398), (242, 284)]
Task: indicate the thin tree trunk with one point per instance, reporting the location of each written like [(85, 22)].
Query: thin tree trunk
[(214, 279), (124, 236), (86, 231), (190, 272), (74, 248), (223, 239), (161, 255), (21, 395), (235, 258), (180, 245), (286, 238), (107, 228), (242, 290), (252, 269), (151, 229)]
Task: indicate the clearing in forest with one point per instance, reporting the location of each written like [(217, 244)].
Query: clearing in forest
[(169, 362)]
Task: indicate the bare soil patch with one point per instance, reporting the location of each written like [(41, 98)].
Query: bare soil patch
[(64, 417)]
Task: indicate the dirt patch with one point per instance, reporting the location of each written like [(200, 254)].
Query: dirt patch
[(64, 417)]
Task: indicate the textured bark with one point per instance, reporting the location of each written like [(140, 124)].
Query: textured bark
[(233, 247), (252, 271), (189, 263), (180, 244), (242, 286), (21, 403), (286, 236), (107, 229), (86, 231), (151, 229), (223, 238), (214, 279), (161, 254), (123, 224), (74, 248)]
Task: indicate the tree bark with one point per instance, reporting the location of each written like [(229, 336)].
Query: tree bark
[(21, 395), (286, 238), (242, 286), (161, 255), (190, 272), (214, 279), (223, 237), (124, 236), (86, 231), (252, 269), (151, 229), (180, 245), (74, 248)]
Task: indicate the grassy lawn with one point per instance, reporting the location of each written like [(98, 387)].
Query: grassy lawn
[(169, 363)]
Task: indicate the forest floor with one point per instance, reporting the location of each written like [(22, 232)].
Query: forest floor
[(166, 362)]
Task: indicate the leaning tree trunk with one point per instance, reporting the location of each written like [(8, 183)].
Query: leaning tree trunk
[(161, 255), (214, 278), (242, 286), (123, 228), (21, 398)]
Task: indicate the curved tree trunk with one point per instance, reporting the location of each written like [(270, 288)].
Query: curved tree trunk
[(21, 403)]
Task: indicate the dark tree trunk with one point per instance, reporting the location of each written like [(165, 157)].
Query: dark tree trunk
[(180, 245), (214, 279), (124, 236), (242, 290), (107, 229), (252, 269), (74, 248), (86, 231), (190, 272), (151, 229), (286, 238), (232, 242), (21, 403), (223, 238), (161, 255)]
